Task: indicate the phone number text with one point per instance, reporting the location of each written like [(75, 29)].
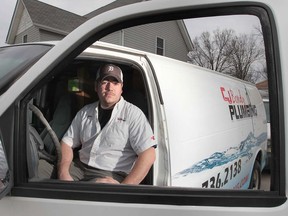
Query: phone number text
[(218, 181)]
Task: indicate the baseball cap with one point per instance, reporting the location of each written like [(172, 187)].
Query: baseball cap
[(109, 70)]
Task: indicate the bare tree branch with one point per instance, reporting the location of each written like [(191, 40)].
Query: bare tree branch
[(225, 52)]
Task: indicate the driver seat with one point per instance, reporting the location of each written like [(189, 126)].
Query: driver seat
[(60, 122)]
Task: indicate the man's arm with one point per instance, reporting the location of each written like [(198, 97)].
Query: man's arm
[(141, 167), (64, 166)]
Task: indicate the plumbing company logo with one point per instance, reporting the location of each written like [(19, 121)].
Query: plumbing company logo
[(238, 107)]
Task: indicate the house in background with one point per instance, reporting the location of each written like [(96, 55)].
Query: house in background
[(263, 88), (35, 21)]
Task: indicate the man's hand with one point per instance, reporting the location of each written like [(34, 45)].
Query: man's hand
[(107, 179), (65, 177)]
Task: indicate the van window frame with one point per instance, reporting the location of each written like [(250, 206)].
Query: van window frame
[(180, 196)]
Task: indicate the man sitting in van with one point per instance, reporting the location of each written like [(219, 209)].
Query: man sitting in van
[(115, 139)]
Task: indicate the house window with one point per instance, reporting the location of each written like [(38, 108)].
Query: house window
[(25, 39), (160, 46)]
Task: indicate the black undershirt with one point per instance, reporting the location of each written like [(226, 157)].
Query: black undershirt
[(104, 115)]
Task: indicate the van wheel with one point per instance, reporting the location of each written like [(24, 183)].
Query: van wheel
[(255, 180)]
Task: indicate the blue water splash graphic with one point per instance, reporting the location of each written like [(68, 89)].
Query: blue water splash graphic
[(220, 158)]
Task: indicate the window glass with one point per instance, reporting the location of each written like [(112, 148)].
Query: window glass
[(227, 48), (160, 46), (210, 125), (25, 39), (16, 59)]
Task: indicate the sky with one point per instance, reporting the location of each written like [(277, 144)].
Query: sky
[(80, 7), (239, 23)]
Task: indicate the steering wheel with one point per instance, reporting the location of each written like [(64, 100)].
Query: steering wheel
[(41, 150)]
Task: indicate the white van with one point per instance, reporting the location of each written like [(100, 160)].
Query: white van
[(211, 129)]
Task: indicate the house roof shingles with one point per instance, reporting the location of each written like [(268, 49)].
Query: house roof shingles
[(263, 85), (45, 15)]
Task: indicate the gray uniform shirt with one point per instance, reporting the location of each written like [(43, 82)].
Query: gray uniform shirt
[(117, 145)]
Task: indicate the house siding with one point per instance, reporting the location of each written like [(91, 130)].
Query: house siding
[(32, 35), (50, 36), (25, 22), (114, 38), (144, 38)]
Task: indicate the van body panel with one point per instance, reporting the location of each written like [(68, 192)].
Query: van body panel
[(208, 106)]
